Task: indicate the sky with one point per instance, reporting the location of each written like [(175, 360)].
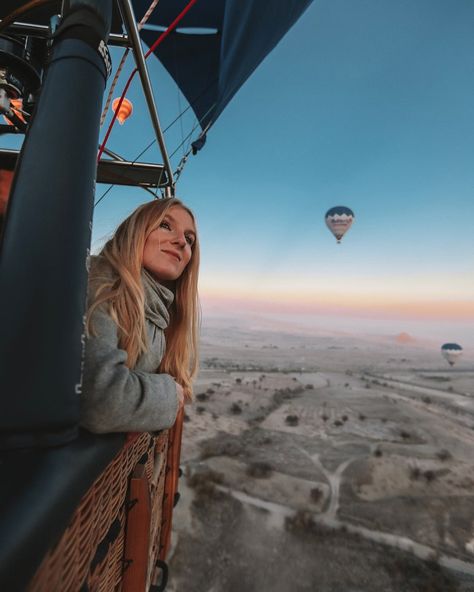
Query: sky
[(365, 103)]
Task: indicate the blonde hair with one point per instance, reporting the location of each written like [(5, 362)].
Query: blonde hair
[(123, 294)]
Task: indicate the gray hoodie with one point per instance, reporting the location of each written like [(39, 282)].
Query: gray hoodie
[(119, 399)]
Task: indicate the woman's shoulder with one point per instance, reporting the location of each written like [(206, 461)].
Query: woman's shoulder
[(100, 271), (99, 266)]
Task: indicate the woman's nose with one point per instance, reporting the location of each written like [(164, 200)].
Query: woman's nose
[(180, 239)]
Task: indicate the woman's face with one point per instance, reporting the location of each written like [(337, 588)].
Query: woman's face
[(168, 249)]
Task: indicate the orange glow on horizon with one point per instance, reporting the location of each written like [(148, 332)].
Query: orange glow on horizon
[(335, 304), (424, 296)]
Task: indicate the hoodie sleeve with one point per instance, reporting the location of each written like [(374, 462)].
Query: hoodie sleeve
[(116, 398)]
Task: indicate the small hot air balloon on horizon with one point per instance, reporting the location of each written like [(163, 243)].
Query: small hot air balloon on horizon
[(339, 219), (451, 352), (125, 110)]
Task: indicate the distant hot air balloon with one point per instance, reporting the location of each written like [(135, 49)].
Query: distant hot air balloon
[(126, 109), (339, 220), (451, 352)]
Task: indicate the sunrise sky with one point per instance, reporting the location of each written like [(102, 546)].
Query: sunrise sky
[(368, 104)]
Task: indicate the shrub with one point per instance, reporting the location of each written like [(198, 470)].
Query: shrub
[(338, 423), (378, 452), (300, 521), (235, 409), (202, 397), (204, 483), (315, 494), (444, 454), (362, 416), (259, 470), (429, 475), (220, 447), (292, 420)]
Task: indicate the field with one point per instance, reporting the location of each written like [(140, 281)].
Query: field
[(325, 462)]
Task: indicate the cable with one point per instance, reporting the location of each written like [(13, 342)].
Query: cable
[(133, 162), (198, 122), (8, 20), (184, 141), (150, 144), (185, 157), (145, 18), (170, 125), (103, 195), (160, 39), (113, 85), (147, 14)]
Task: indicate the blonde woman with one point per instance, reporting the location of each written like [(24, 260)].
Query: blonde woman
[(142, 320)]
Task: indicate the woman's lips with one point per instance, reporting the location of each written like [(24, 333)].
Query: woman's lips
[(172, 254)]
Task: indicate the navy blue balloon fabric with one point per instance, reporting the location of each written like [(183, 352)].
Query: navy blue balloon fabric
[(210, 68)]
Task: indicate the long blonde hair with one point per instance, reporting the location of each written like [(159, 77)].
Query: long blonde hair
[(121, 290)]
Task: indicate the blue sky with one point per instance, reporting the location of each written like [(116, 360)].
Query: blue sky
[(365, 103)]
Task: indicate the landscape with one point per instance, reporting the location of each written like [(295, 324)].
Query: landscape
[(324, 461)]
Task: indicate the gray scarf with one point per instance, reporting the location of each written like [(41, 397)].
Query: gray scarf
[(158, 300)]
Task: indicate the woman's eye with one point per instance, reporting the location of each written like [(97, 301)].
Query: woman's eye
[(190, 240), (165, 225)]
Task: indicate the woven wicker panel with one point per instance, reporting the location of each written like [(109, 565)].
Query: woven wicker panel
[(107, 576), (66, 567), (157, 487)]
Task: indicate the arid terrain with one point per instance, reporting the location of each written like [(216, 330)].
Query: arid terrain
[(328, 463)]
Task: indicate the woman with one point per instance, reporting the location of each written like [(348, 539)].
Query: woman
[(141, 347)]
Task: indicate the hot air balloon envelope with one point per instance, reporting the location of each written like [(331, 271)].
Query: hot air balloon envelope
[(125, 110), (451, 352), (339, 219)]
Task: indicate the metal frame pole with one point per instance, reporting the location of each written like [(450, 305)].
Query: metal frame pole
[(134, 38)]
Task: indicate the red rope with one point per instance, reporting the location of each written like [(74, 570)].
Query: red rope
[(160, 39)]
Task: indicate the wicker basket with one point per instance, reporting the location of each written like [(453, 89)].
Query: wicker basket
[(89, 556)]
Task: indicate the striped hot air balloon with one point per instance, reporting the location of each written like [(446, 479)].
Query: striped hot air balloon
[(451, 352), (339, 219), (124, 111)]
